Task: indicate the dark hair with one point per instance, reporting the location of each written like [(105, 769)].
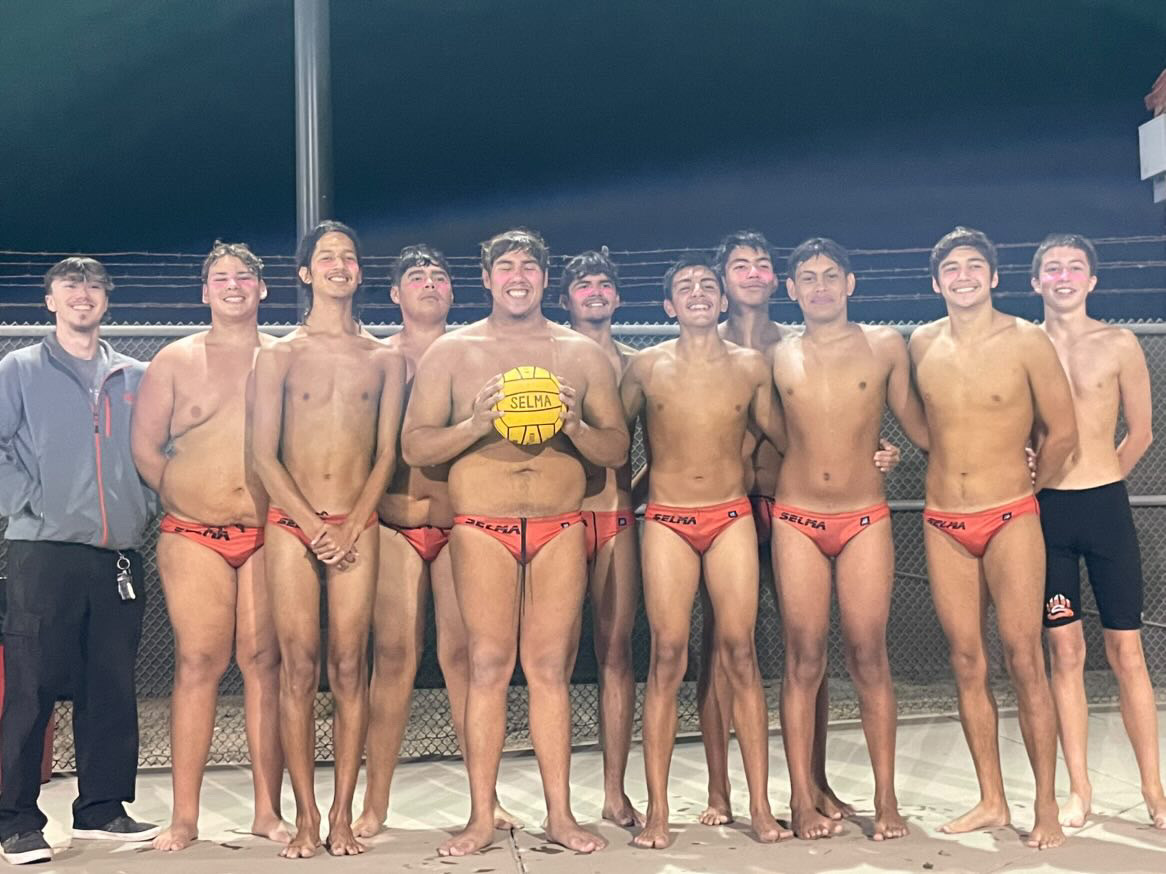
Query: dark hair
[(1072, 241), (814, 247), (307, 249), (690, 259), (421, 255), (961, 236), (238, 250), (739, 239), (590, 263), (89, 269), (515, 240)]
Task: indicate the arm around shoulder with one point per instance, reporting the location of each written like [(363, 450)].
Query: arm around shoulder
[(1052, 402)]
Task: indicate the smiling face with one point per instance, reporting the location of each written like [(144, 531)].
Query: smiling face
[(78, 302), (964, 278), (424, 293), (821, 287), (516, 282), (1064, 278), (750, 279), (232, 289), (334, 269), (694, 297), (591, 298)]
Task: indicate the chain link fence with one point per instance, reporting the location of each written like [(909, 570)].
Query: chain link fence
[(918, 650)]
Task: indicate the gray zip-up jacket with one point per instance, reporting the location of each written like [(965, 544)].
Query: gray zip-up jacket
[(66, 471)]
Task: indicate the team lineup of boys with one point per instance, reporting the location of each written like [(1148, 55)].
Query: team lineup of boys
[(377, 465)]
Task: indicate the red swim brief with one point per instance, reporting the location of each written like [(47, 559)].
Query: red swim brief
[(830, 531), (972, 531), (427, 540), (762, 506), (523, 536), (603, 525), (276, 516), (699, 526), (235, 543)]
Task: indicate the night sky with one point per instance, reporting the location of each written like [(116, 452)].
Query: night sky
[(160, 126)]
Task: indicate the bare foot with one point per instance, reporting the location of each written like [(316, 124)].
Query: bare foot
[(475, 837), (620, 811), (810, 825), (889, 823), (983, 815), (831, 805), (1046, 831), (178, 836), (767, 829), (655, 834), (305, 842), (1156, 807), (341, 840), (504, 819), (568, 833), (368, 824), (1076, 809), (272, 827), (719, 811)]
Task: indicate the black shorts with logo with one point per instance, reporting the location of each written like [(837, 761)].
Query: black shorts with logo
[(1097, 525)]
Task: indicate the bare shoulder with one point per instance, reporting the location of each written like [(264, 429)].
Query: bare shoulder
[(280, 352), (925, 335), (173, 354), (451, 342), (756, 364), (1032, 335), (266, 340), (884, 339), (625, 350), (1122, 339), (643, 359)]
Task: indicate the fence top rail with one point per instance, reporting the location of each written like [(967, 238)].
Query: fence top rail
[(384, 330)]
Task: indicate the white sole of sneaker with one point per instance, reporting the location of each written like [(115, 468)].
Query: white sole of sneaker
[(44, 854), (96, 834)]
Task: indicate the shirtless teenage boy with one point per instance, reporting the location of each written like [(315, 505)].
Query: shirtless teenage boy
[(190, 445), (698, 394), (589, 291), (415, 520), (518, 543), (327, 407), (745, 263), (1085, 512), (831, 522), (986, 378)]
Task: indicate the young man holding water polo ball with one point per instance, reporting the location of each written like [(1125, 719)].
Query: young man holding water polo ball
[(699, 394), (589, 292), (415, 520), (517, 544)]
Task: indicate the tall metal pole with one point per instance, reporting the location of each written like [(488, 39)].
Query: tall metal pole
[(313, 119)]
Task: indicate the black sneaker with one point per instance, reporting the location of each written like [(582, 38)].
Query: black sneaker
[(25, 847), (121, 828)]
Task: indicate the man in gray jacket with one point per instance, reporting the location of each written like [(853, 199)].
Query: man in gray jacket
[(77, 511)]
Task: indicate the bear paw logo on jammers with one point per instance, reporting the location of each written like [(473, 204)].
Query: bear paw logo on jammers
[(530, 406)]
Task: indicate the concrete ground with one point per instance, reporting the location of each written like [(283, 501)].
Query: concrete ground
[(935, 782)]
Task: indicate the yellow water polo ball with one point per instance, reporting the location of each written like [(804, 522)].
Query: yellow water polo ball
[(530, 406)]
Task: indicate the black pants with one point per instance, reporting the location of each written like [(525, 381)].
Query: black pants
[(68, 628)]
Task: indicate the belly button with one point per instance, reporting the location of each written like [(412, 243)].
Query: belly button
[(826, 477)]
